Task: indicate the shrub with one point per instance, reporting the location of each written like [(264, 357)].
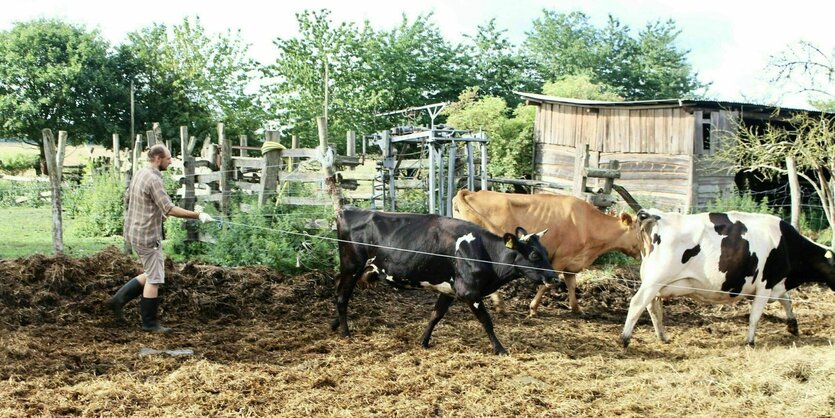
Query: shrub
[(743, 202), (12, 191), (272, 235), (18, 164), (97, 206)]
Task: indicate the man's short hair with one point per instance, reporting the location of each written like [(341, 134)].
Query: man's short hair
[(157, 150)]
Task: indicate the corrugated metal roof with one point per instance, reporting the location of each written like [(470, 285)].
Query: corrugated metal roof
[(661, 103)]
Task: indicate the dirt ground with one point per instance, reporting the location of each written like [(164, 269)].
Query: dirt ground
[(262, 347)]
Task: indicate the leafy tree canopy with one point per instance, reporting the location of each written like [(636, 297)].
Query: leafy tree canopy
[(646, 65), (55, 75)]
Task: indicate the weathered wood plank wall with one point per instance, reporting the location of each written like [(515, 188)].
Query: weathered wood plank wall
[(661, 150)]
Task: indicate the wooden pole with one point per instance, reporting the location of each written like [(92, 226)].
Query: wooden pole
[(294, 143), (151, 138), (269, 176), (322, 125), (581, 161), (328, 168), (62, 143), (187, 144), (117, 163), (794, 188), (55, 181), (244, 143), (137, 153), (158, 135), (351, 146), (225, 169)]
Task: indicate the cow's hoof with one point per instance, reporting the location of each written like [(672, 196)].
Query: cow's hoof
[(334, 324), (501, 352), (624, 340), (532, 314), (792, 326), (751, 344)]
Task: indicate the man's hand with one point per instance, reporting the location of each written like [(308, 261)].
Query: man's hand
[(205, 217)]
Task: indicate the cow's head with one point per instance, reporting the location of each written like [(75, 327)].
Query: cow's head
[(830, 269), (531, 256), (631, 239)]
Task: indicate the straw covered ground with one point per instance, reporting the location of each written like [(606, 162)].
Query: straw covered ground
[(262, 346)]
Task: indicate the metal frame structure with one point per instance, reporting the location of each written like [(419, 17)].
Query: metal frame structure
[(442, 149)]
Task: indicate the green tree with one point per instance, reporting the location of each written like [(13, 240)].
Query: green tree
[(186, 76), (580, 86), (498, 68), (644, 66), (368, 72), (56, 75), (510, 131)]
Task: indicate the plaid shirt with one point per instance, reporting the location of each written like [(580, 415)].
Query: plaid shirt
[(147, 205)]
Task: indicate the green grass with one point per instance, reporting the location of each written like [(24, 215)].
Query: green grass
[(27, 231)]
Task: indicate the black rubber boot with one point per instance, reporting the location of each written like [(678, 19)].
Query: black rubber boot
[(126, 293), (148, 309)]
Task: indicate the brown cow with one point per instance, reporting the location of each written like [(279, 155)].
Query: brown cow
[(579, 232)]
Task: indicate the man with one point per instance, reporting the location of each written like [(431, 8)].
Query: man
[(147, 206)]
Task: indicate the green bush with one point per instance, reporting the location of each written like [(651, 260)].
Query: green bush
[(27, 192), (18, 164), (743, 202), (97, 206), (272, 235)]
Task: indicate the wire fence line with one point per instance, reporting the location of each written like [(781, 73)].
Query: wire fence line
[(491, 262)]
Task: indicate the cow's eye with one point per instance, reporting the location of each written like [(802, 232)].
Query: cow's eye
[(534, 256)]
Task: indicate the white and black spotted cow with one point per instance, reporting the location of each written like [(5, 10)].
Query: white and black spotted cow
[(458, 259), (721, 257)]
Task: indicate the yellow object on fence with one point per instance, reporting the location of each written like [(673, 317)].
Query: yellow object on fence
[(270, 146)]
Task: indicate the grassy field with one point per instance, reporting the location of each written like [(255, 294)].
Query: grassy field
[(27, 231)]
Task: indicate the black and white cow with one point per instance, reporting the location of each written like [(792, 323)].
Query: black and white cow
[(721, 257), (458, 259)]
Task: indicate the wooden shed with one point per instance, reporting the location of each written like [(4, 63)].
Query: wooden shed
[(664, 146)]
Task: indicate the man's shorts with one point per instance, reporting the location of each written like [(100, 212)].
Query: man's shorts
[(152, 261)]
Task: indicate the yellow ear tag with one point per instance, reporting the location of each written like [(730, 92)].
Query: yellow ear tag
[(509, 244)]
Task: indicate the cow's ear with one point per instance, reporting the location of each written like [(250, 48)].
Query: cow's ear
[(510, 241), (521, 232), (625, 218)]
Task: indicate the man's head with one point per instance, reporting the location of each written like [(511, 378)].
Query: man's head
[(159, 157)]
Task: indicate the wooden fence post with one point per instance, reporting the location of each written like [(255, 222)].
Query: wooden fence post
[(581, 161), (328, 161), (225, 169), (151, 138), (117, 163), (158, 135), (51, 155), (351, 146), (244, 143), (269, 176), (188, 179), (294, 143), (62, 144), (137, 153), (794, 188)]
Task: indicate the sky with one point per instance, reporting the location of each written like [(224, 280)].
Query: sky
[(730, 42)]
